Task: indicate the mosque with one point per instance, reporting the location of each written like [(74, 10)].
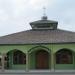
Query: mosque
[(44, 47)]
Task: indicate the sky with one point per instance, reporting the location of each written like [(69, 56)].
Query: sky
[(15, 15)]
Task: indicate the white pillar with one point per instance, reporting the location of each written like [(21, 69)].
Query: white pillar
[(27, 69), (3, 61)]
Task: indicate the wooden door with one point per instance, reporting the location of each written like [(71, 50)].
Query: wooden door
[(42, 60)]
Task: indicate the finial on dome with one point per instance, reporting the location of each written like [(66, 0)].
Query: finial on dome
[(44, 14), (44, 11)]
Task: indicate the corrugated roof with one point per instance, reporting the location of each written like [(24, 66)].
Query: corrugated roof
[(39, 36)]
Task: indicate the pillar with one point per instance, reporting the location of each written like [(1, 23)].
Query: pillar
[(73, 59), (52, 61), (27, 67), (3, 61)]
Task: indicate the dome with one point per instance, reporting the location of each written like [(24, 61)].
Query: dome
[(44, 18)]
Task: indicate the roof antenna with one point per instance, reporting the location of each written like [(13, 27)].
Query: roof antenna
[(44, 14)]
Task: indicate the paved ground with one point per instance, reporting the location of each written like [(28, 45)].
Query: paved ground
[(39, 74), (19, 72)]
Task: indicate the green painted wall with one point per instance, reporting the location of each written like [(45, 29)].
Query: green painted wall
[(31, 61), (25, 48), (18, 67), (64, 66)]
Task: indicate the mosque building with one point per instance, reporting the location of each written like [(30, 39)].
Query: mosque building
[(44, 47)]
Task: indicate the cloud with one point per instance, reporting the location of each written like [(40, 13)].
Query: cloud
[(15, 15), (19, 7), (3, 15), (37, 4)]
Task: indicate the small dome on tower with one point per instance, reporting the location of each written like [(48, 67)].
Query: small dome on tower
[(44, 18)]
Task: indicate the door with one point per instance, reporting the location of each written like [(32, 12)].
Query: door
[(42, 60)]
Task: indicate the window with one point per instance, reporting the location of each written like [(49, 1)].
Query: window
[(19, 57), (64, 57)]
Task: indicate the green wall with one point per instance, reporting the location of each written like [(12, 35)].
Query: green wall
[(32, 60), (26, 48)]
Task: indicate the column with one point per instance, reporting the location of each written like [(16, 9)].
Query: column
[(52, 61), (3, 61), (27, 69), (73, 60)]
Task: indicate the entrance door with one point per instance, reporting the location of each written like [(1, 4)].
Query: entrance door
[(42, 60)]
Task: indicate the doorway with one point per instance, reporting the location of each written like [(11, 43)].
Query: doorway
[(42, 59)]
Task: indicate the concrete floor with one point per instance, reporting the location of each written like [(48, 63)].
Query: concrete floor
[(22, 72), (41, 74)]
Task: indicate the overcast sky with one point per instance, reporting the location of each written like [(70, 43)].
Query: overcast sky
[(15, 15)]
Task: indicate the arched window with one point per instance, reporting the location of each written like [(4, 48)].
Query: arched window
[(19, 57), (64, 56)]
